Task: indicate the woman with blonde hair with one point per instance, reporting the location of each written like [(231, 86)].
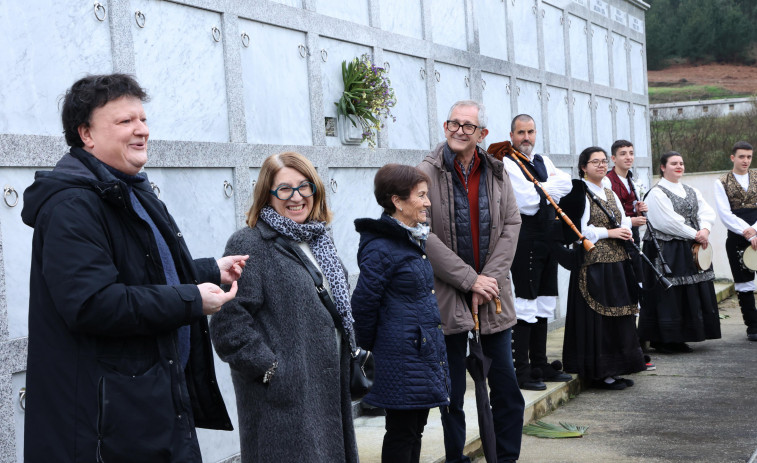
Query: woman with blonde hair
[(289, 355)]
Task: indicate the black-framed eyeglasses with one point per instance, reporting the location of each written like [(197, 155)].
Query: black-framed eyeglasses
[(284, 192), (468, 129), (599, 162)]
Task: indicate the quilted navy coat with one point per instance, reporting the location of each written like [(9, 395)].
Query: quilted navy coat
[(397, 318)]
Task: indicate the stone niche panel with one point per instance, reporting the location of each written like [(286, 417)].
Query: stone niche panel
[(620, 61), (221, 445), (492, 28), (622, 121), (638, 68), (601, 60), (404, 17), (275, 64), (559, 120), (554, 40), (408, 76), (201, 205), (351, 197), (604, 110), (293, 3), (355, 11), (582, 124), (640, 134), (523, 14), (452, 84), (529, 102), (579, 49), (331, 55), (448, 23), (17, 248), (496, 98), (181, 64), (43, 56)]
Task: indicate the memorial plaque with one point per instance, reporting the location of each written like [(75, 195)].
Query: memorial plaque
[(638, 68), (529, 98), (579, 48), (178, 55), (604, 111), (619, 16), (48, 45), (620, 61), (448, 23), (269, 121), (601, 58), (623, 121), (640, 132), (581, 2), (523, 15), (496, 97), (355, 11), (554, 50), (582, 124), (636, 24), (402, 17), (558, 115), (492, 30), (600, 7), (408, 76)]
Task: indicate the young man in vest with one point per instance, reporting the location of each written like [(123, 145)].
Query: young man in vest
[(736, 199)]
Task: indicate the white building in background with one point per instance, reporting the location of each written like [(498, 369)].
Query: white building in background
[(233, 81), (701, 108)]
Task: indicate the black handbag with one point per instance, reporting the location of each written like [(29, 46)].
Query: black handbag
[(362, 365)]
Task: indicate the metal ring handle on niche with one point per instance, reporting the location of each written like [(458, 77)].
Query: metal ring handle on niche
[(438, 76), (466, 80), (10, 192), (303, 50), (483, 84), (423, 74), (387, 66), (216, 33), (140, 18), (324, 55), (245, 40), (22, 398), (155, 189), (228, 189), (100, 12), (334, 186)]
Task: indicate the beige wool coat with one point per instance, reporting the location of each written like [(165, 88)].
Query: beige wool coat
[(453, 278)]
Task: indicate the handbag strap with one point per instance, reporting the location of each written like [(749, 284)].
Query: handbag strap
[(323, 293)]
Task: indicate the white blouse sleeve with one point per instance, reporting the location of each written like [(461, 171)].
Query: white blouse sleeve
[(706, 212), (663, 217)]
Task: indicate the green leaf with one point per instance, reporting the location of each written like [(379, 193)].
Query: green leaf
[(553, 431)]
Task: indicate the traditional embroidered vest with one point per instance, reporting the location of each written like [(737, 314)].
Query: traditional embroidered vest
[(687, 207), (737, 197), (626, 197), (607, 250)]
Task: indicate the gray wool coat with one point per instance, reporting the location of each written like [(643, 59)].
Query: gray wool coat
[(304, 414)]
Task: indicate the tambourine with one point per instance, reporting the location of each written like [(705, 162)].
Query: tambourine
[(749, 259), (702, 256)]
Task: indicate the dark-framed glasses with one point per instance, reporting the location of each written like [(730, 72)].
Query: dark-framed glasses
[(599, 162), (468, 129), (284, 192)]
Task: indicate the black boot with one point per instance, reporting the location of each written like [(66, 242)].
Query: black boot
[(749, 312), (538, 353), (521, 337)]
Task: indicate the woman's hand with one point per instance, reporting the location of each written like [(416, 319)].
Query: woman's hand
[(703, 237), (620, 233), (231, 268)]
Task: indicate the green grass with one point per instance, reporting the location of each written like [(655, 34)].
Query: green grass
[(689, 93)]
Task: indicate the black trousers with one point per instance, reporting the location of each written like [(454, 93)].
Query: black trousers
[(402, 441)]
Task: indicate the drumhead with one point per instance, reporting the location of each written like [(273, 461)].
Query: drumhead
[(750, 259), (702, 257)]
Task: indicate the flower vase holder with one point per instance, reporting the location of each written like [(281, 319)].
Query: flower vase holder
[(349, 134)]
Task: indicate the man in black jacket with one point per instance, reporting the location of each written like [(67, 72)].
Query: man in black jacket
[(120, 365)]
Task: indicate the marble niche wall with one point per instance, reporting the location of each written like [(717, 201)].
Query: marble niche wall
[(232, 82)]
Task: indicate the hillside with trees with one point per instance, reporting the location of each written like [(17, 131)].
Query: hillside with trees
[(700, 31)]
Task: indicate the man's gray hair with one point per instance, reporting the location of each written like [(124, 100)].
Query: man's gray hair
[(481, 110), (521, 118)]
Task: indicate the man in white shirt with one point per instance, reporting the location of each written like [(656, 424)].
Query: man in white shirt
[(534, 268), (736, 200)]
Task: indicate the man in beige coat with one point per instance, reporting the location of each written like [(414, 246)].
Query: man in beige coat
[(474, 231)]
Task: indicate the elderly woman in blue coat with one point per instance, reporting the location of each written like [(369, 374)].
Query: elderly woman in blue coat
[(396, 313)]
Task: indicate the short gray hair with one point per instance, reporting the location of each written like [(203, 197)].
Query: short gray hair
[(521, 118), (481, 110)]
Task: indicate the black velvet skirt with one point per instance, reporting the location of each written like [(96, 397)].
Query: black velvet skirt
[(687, 312), (597, 346)]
